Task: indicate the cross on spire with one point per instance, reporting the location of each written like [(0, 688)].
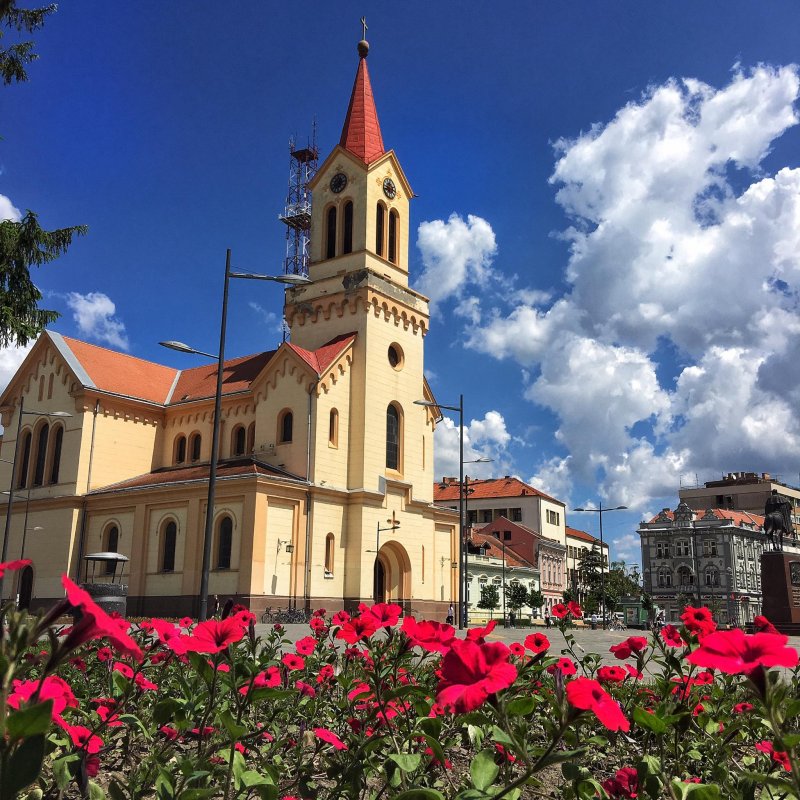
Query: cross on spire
[(364, 27)]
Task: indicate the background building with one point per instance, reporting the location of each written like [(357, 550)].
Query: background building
[(710, 557), (322, 444)]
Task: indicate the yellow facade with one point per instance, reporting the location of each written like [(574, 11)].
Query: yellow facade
[(321, 443)]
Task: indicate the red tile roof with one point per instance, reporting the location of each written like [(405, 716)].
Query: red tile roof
[(739, 517), (489, 488), (361, 134), (120, 373), (237, 375), (321, 358), (172, 475), (583, 536), (496, 550)]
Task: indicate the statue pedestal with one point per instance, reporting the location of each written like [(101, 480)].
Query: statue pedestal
[(780, 588)]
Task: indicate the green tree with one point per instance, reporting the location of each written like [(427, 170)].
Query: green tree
[(490, 598), (516, 597), (24, 244), (535, 599)]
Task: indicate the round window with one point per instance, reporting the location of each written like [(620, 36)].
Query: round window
[(395, 356)]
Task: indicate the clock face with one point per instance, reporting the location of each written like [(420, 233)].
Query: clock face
[(389, 188), (338, 182)]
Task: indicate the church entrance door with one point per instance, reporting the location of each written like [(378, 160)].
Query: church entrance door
[(394, 574)]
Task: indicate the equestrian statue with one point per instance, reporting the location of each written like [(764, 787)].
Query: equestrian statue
[(778, 519)]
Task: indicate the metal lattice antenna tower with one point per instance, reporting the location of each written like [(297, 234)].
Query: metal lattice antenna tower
[(297, 214)]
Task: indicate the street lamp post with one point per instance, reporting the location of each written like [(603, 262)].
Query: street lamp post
[(505, 622), (22, 411), (599, 511), (292, 280)]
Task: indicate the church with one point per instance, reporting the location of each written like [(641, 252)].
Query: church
[(325, 461)]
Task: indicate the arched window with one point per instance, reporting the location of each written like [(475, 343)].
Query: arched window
[(333, 428), (392, 437), (394, 224), (169, 540), (712, 577), (55, 463), (329, 545), (180, 449), (111, 545), (238, 440), (347, 233), (380, 216), (685, 577), (285, 428), (251, 437), (41, 455), (224, 543), (195, 443), (50, 386), (330, 233), (22, 477), (41, 388)]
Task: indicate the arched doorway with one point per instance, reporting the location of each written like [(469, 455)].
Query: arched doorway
[(26, 587), (393, 575)]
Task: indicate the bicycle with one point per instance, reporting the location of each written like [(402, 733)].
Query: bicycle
[(291, 616)]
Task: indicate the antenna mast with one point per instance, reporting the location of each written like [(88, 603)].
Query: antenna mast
[(303, 164)]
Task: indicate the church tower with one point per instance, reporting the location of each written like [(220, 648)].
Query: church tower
[(383, 457)]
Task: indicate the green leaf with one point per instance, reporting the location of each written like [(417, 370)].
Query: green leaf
[(521, 706), (23, 766), (196, 794), (483, 769), (695, 791), (165, 711), (430, 725), (235, 731), (250, 778), (30, 721), (418, 793), (650, 721), (407, 762), (96, 791), (116, 792)]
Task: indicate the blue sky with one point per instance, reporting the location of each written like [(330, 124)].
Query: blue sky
[(607, 211)]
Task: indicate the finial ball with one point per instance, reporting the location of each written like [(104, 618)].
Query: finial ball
[(363, 48)]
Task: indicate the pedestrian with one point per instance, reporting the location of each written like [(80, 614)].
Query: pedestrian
[(513, 619), (547, 619), (216, 605), (451, 613)]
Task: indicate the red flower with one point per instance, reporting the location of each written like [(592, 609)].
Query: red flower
[(431, 636), (214, 635), (95, 623), (292, 661), (84, 739), (123, 669), (104, 654), (52, 688), (743, 708), (478, 635), (144, 684), (621, 650), (186, 622), (169, 732), (633, 672), (306, 645), (589, 695), (305, 689), (574, 609), (672, 636), (330, 737), (340, 618), (537, 642), (517, 649), (11, 566), (763, 625), (386, 615), (358, 628), (624, 785), (325, 673), (778, 756), (559, 611), (736, 652), (698, 620), (611, 674), (471, 672), (170, 636), (317, 624), (564, 665), (271, 677)]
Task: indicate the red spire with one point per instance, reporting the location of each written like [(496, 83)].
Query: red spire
[(361, 134)]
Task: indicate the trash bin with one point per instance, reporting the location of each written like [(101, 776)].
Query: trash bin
[(106, 588)]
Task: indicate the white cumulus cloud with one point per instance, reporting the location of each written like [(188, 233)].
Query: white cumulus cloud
[(454, 253), (673, 349), (483, 438), (8, 210), (94, 314)]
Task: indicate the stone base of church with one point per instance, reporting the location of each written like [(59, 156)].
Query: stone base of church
[(780, 586)]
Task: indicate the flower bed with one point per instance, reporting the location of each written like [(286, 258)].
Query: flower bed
[(370, 706)]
